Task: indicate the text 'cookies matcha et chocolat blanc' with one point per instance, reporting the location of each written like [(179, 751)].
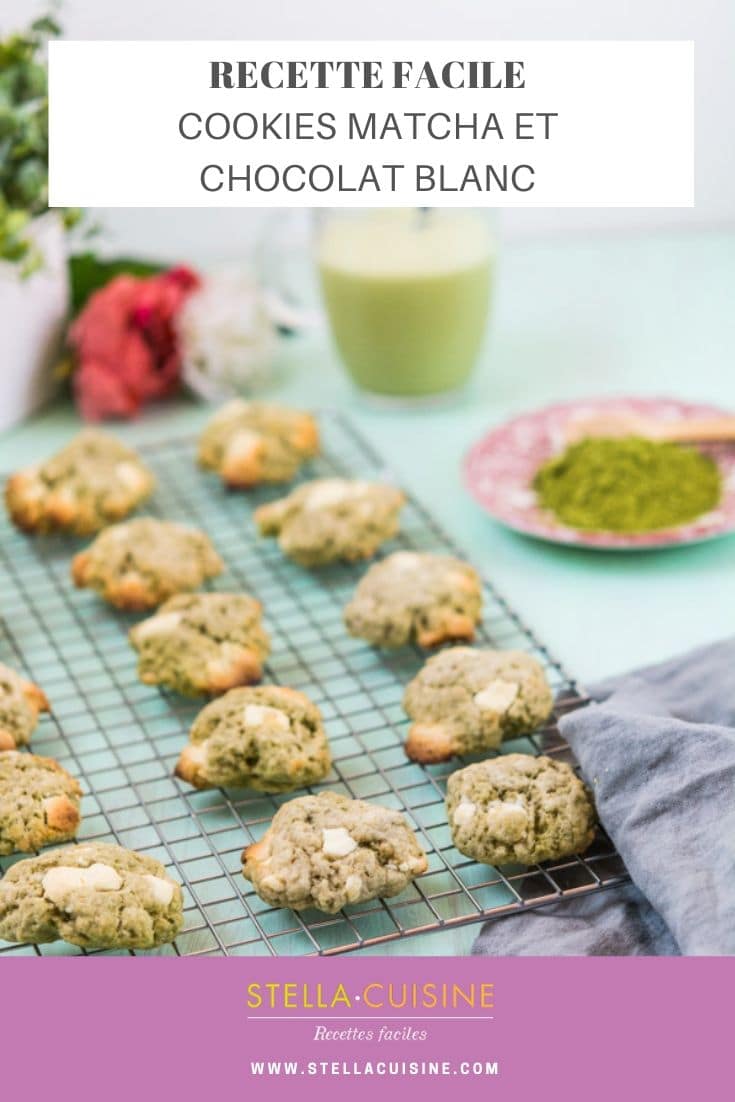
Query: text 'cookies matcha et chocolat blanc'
[(284, 125)]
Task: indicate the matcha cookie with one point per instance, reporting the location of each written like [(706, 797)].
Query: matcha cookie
[(331, 519), (91, 482), (466, 700), (414, 595), (20, 703), (139, 564), (202, 643), (270, 739), (519, 808), (252, 442), (327, 851), (95, 895), (39, 803)]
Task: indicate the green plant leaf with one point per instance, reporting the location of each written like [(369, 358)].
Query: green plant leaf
[(24, 140), (89, 273)]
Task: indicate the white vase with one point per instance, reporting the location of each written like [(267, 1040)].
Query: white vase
[(33, 313)]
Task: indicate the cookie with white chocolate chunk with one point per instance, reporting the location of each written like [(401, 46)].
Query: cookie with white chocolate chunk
[(327, 851), (95, 895), (20, 704), (414, 595), (91, 482), (268, 738), (465, 700), (39, 803), (332, 519), (202, 643), (519, 808), (248, 443), (140, 563)]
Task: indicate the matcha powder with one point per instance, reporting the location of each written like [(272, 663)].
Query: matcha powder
[(628, 484)]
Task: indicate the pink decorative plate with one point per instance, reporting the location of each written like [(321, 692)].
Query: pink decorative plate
[(499, 470)]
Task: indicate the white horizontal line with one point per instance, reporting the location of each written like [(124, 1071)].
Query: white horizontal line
[(368, 1018)]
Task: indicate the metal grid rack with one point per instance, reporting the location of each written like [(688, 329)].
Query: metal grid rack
[(122, 738)]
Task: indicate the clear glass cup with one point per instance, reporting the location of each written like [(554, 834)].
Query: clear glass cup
[(407, 294)]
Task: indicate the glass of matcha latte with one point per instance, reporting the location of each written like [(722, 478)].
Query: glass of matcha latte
[(407, 293)]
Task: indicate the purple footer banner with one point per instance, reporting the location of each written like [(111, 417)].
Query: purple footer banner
[(507, 1029)]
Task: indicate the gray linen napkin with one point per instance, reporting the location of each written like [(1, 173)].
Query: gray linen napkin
[(658, 748)]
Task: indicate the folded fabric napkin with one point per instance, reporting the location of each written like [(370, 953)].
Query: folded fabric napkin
[(657, 747)]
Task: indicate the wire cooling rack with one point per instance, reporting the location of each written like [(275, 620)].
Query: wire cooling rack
[(122, 738)]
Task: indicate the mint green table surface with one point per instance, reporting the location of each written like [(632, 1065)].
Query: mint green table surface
[(616, 315)]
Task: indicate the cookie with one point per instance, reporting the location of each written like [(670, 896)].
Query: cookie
[(519, 808), (414, 595), (327, 851), (465, 700), (139, 564), (20, 704), (91, 482), (332, 519), (95, 895), (202, 643), (247, 443), (39, 803), (270, 739)]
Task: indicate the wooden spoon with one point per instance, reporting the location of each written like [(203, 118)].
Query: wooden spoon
[(694, 430)]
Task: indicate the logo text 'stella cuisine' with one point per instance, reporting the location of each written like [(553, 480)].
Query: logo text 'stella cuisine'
[(375, 995)]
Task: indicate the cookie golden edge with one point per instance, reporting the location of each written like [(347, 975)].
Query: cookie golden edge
[(105, 853), (57, 513), (62, 813), (246, 469), (255, 855), (245, 668), (456, 628), (128, 595), (131, 594), (269, 520), (37, 701), (429, 743), (189, 767)]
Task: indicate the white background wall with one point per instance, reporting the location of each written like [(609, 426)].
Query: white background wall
[(222, 234)]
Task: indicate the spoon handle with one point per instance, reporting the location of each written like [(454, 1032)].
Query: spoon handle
[(702, 430)]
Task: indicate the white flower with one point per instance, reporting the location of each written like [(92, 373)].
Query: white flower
[(226, 335)]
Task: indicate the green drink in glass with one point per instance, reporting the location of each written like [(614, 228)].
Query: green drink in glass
[(407, 295)]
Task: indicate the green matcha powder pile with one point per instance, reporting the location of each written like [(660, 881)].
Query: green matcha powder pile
[(628, 484)]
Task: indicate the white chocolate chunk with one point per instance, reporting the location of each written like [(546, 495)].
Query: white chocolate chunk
[(162, 890), (257, 714), (457, 579), (405, 560), (230, 411), (353, 887), (333, 491), (131, 476), (496, 697), (226, 665), (63, 496), (272, 883), (163, 624), (337, 842), (508, 819), (114, 534), (464, 813), (243, 444), (195, 753), (59, 882), (34, 488)]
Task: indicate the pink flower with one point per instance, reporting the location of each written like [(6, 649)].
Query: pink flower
[(125, 343)]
